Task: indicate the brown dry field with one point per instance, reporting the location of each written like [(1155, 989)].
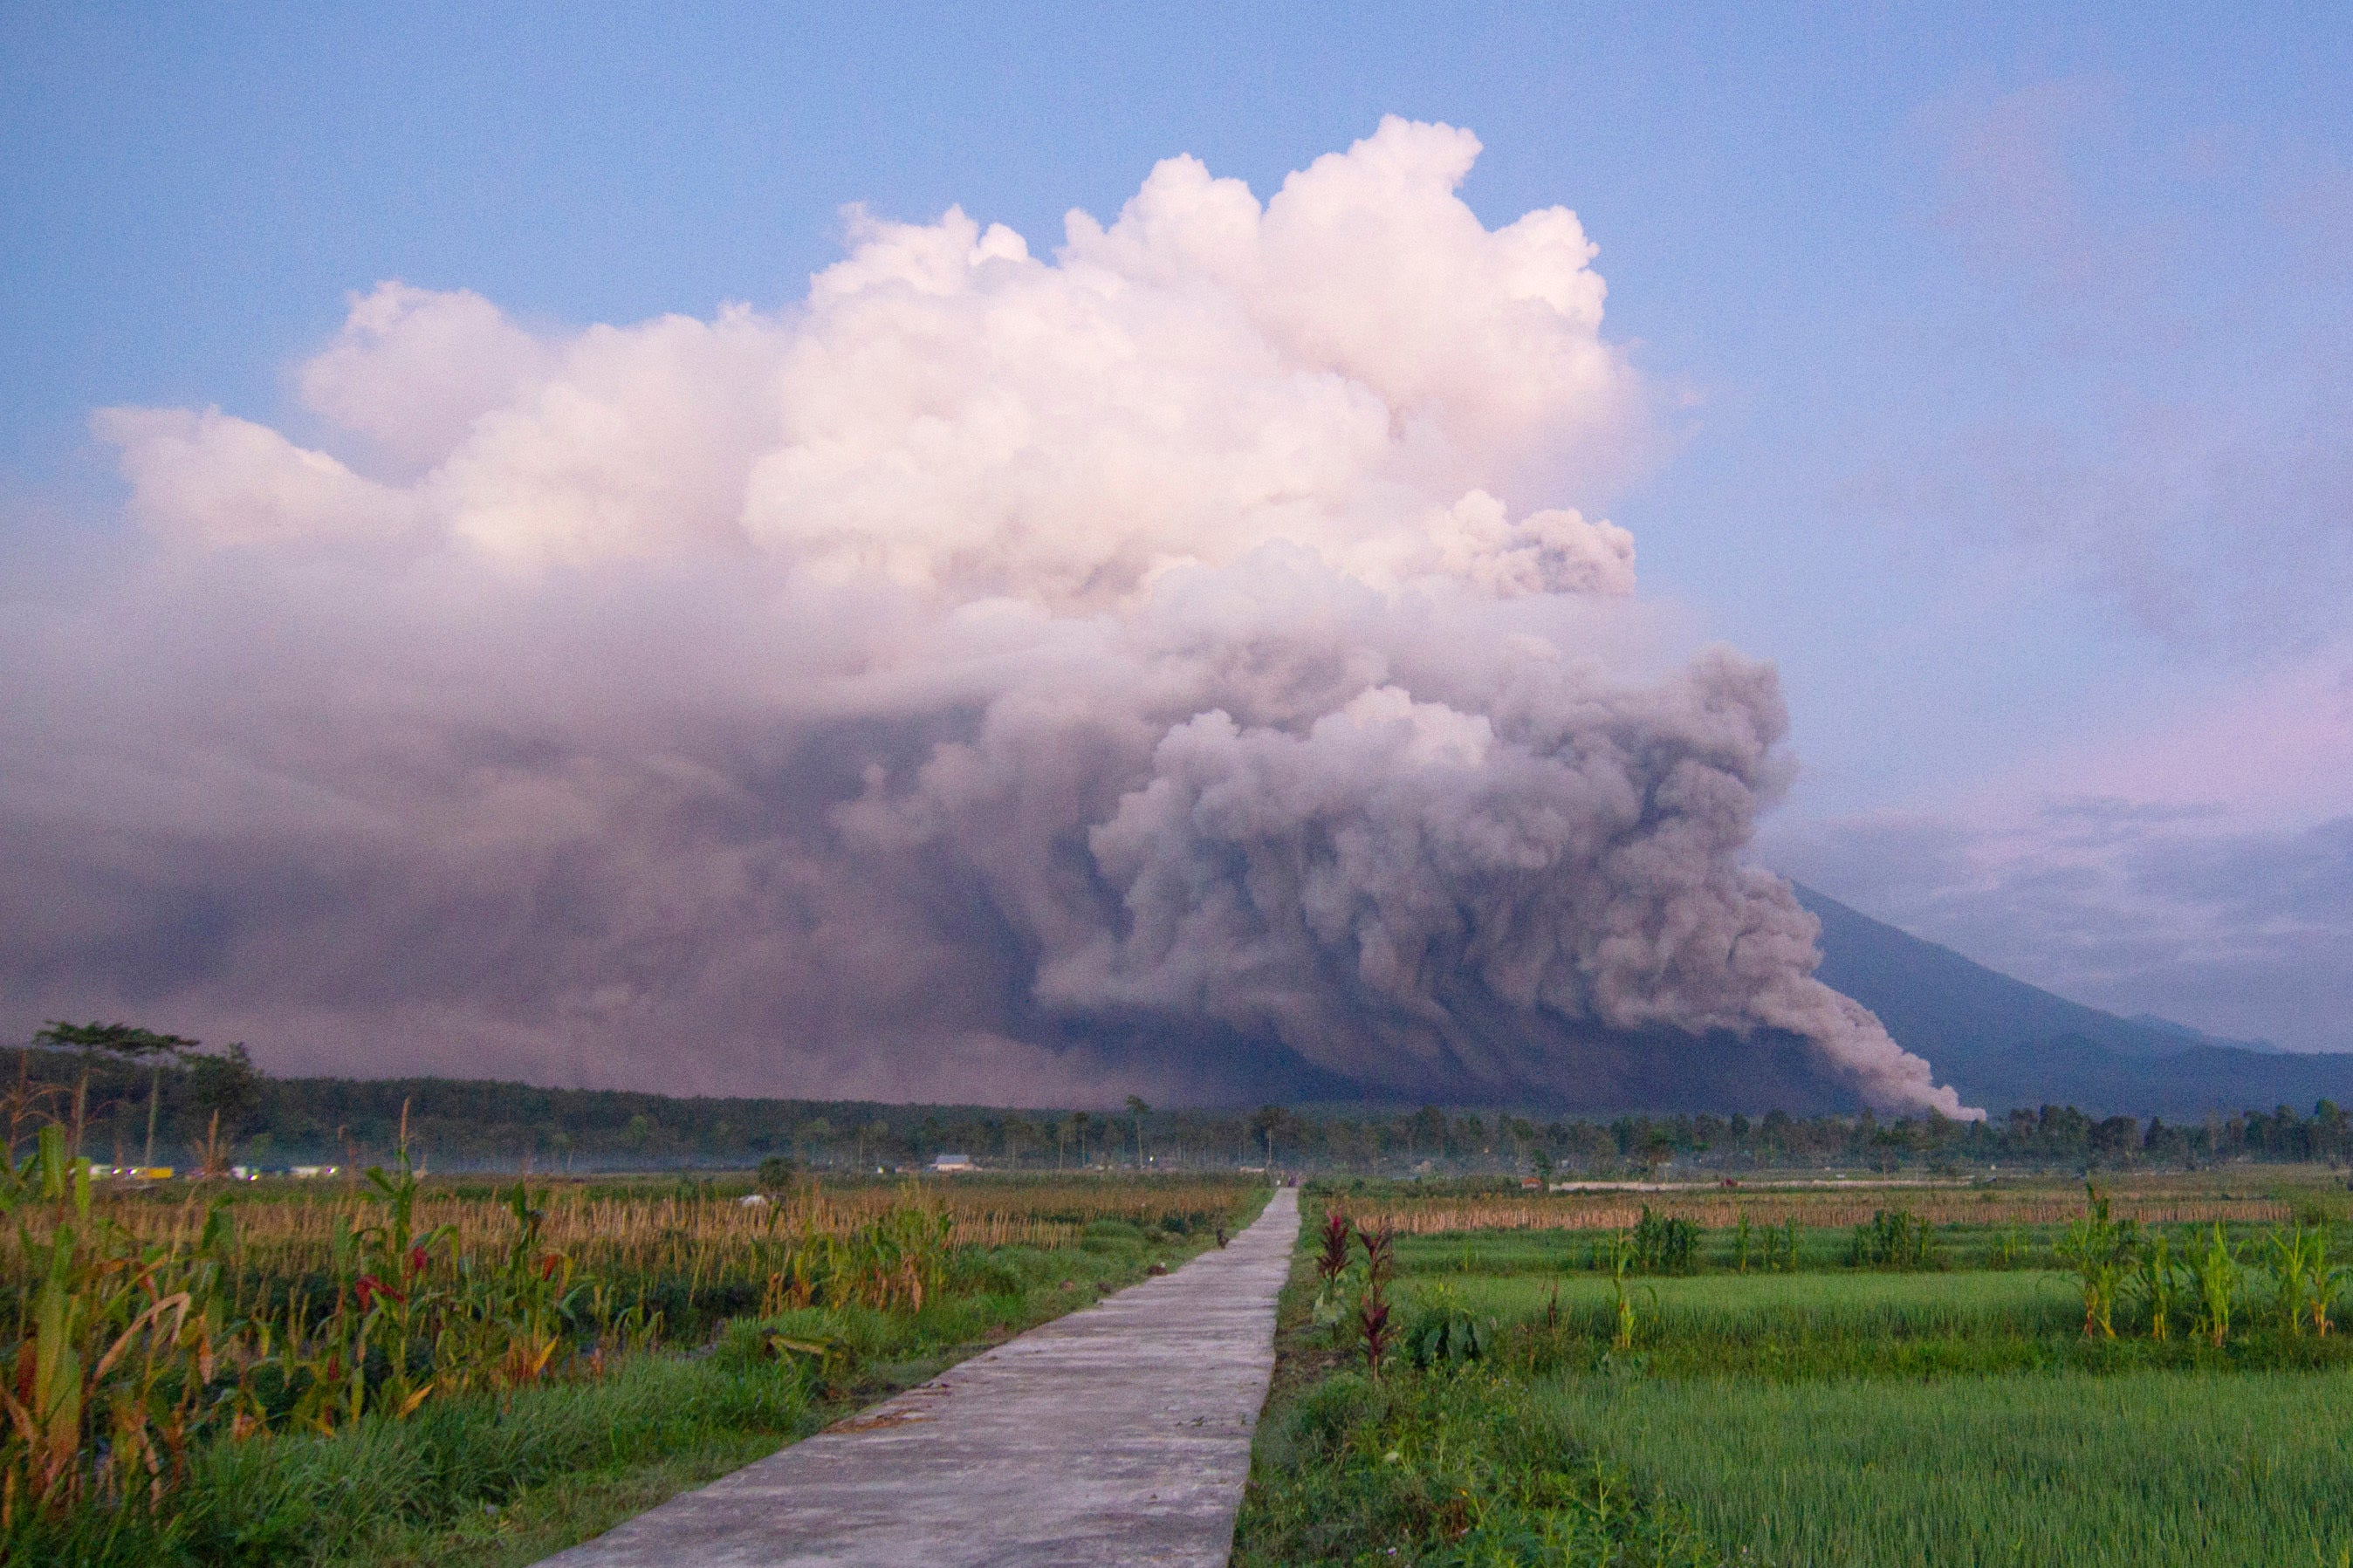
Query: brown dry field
[(2235, 1193), (291, 1224)]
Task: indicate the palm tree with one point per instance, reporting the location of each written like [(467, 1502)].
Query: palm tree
[(1136, 1110)]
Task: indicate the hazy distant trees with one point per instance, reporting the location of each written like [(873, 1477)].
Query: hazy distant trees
[(1020, 1135), (496, 1125), (814, 1138)]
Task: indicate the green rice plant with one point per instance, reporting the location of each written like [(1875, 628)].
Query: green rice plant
[(1826, 1309), (2042, 1469)]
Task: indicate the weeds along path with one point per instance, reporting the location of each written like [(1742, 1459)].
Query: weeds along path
[(1118, 1434)]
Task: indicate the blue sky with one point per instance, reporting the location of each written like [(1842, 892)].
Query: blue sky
[(2005, 357)]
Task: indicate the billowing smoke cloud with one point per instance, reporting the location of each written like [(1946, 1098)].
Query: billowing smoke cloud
[(992, 677)]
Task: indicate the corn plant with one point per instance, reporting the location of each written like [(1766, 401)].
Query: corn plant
[(1741, 1240), (114, 1345), (1445, 1335), (2328, 1283), (1664, 1244), (132, 1331), (1781, 1245), (2102, 1251), (2218, 1274), (504, 1326), (394, 1292), (2302, 1277), (2156, 1279), (1895, 1239), (2010, 1250), (1623, 1254)]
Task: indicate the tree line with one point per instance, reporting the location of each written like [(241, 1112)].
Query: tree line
[(133, 1097)]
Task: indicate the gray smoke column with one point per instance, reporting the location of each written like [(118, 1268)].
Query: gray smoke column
[(992, 677)]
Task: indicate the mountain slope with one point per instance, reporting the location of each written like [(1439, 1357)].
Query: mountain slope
[(2003, 1043)]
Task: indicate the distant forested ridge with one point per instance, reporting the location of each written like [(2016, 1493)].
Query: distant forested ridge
[(2004, 1043), (463, 1124)]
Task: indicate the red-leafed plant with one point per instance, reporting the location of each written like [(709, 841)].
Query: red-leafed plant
[(1373, 1310), (1333, 1262), (1373, 1325)]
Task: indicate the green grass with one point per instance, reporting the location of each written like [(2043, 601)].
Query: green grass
[(302, 1500), (1444, 1473), (292, 1501), (2146, 1469), (549, 1518)]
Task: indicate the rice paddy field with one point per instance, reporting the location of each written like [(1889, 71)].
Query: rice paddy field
[(2031, 1468), (2027, 1382)]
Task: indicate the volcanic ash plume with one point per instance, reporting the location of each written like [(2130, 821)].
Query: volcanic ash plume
[(1172, 665)]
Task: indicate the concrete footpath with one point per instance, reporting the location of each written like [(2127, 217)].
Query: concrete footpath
[(1119, 1434)]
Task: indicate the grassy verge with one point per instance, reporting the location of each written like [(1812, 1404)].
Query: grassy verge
[(1458, 1469), (1436, 1470), (547, 1519)]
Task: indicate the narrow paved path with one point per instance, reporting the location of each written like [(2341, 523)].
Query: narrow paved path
[(1119, 1434)]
